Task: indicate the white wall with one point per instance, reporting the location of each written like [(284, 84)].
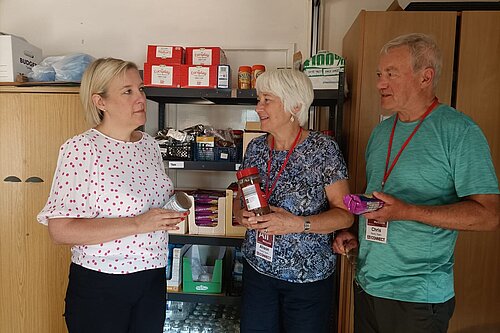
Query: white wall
[(123, 29)]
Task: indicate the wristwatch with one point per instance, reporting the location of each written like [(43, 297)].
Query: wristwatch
[(307, 226)]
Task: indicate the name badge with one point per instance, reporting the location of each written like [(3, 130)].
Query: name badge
[(264, 246), (376, 231)]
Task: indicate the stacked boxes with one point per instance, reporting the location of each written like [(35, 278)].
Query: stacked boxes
[(323, 69), (193, 67)]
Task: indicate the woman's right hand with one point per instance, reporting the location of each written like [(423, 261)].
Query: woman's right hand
[(159, 219)]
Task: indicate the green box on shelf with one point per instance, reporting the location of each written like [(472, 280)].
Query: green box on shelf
[(211, 257)]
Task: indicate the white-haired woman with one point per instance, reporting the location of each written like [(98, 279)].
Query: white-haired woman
[(304, 176), (105, 201)]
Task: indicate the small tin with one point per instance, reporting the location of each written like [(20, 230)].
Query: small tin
[(178, 202)]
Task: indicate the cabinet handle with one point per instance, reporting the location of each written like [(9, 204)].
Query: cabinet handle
[(34, 180), (12, 179)]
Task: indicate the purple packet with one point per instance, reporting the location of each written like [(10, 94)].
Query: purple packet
[(205, 208), (361, 203), (206, 201)]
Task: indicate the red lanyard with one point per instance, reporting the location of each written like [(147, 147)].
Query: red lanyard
[(387, 172), (268, 192)]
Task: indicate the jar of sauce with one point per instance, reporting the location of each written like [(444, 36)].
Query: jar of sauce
[(244, 77), (249, 183)]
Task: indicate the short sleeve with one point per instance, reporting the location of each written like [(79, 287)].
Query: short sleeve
[(472, 166), (335, 168), (74, 192)]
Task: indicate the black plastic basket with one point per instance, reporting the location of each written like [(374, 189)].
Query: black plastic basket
[(177, 151)]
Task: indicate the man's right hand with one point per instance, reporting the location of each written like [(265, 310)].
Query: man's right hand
[(344, 241)]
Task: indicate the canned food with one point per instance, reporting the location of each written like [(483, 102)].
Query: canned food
[(244, 77)]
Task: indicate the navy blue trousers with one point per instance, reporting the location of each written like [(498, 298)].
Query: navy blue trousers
[(272, 305), (119, 303)]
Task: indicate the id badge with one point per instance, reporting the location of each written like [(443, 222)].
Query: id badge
[(264, 246), (376, 231)]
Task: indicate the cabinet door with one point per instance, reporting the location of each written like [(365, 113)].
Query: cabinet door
[(34, 271), (477, 259), (362, 45)]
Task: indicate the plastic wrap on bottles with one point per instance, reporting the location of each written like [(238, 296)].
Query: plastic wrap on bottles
[(66, 68)]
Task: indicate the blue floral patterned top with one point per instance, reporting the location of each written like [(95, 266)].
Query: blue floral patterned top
[(314, 164)]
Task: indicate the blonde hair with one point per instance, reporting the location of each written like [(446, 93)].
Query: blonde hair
[(424, 52), (96, 80), (293, 87)]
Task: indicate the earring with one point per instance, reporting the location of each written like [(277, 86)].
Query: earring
[(292, 119)]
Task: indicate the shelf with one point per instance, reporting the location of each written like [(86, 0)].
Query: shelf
[(202, 165), (203, 298), (324, 97), (205, 240)]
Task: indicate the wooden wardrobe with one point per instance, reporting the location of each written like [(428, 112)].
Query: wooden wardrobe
[(34, 122)]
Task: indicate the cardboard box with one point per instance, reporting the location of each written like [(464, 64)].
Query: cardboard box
[(223, 76), (233, 230), (199, 76), (17, 56), (159, 75), (220, 229), (205, 56), (166, 55), (323, 69), (174, 270), (248, 136), (211, 258)]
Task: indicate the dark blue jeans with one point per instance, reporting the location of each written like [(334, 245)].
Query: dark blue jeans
[(119, 303), (272, 305)]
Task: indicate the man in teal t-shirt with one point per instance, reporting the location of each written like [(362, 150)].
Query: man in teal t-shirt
[(432, 167)]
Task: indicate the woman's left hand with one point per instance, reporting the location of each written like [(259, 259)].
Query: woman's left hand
[(278, 222)]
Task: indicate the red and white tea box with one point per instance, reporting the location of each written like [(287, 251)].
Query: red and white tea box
[(205, 56), (199, 76), (163, 54), (159, 75)]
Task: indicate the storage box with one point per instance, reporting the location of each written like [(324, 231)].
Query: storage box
[(234, 230), (199, 76), (224, 203), (323, 69), (209, 256), (17, 56), (205, 56), (158, 75), (174, 269), (167, 55)]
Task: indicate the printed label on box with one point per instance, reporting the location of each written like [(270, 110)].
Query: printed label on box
[(164, 52), (199, 76), (162, 75), (202, 57)]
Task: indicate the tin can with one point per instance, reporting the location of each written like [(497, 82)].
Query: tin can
[(178, 202), (256, 71), (244, 77)]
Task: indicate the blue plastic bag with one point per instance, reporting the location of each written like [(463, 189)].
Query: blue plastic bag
[(68, 68)]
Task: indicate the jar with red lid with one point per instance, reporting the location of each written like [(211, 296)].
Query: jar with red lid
[(249, 182), (256, 71)]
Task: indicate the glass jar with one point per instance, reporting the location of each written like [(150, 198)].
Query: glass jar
[(249, 182), (244, 77), (256, 71)]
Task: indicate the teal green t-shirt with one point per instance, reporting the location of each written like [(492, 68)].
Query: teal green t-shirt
[(447, 159)]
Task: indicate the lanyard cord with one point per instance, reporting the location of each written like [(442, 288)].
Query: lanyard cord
[(295, 142), (388, 169)]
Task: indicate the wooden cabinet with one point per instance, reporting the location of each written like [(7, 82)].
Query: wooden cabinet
[(473, 62), (34, 122)]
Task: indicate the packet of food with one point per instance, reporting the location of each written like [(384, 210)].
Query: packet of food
[(362, 203)]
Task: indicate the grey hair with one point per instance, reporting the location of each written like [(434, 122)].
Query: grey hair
[(424, 52), (96, 80), (293, 87)]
